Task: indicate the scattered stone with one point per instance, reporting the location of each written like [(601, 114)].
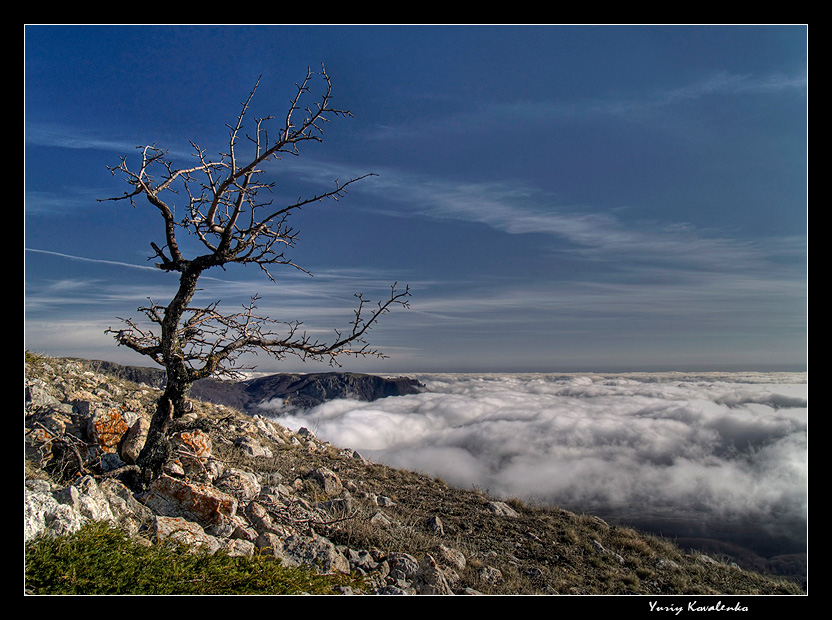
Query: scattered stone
[(450, 557), (430, 579), (252, 448), (434, 523), (490, 575), (315, 551), (328, 480), (242, 485), (502, 509), (402, 565)]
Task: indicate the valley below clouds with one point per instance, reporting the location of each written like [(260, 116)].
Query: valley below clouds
[(719, 456)]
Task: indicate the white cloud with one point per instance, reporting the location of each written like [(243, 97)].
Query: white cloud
[(700, 448)]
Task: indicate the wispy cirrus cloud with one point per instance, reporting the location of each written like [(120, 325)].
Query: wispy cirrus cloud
[(59, 136), (586, 232), (554, 109)]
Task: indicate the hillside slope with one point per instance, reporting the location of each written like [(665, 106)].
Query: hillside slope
[(509, 547)]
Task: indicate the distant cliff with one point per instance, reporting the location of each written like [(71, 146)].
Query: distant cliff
[(294, 390), (302, 390)]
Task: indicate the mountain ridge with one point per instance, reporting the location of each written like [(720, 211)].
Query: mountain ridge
[(294, 390)]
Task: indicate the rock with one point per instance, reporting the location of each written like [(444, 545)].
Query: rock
[(130, 514), (237, 547), (106, 424), (74, 419), (502, 509), (380, 519), (87, 499), (133, 440), (402, 565), (184, 531), (318, 552), (490, 575), (177, 498), (429, 578), (243, 485), (434, 523), (328, 480), (193, 449), (43, 514), (252, 448), (450, 557)]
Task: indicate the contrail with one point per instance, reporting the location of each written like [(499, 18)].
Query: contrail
[(91, 260)]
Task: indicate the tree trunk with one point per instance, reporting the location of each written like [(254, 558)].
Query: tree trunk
[(157, 449), (171, 404)]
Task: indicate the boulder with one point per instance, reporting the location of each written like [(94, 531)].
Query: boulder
[(106, 423), (86, 498), (202, 503)]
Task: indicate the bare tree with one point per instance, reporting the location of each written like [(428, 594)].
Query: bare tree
[(224, 204)]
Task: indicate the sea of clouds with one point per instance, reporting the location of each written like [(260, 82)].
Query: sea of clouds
[(685, 454)]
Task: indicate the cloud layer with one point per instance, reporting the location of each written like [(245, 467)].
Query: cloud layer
[(720, 450)]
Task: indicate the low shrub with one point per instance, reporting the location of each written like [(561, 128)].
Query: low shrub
[(101, 559)]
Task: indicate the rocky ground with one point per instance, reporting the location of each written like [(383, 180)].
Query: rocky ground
[(246, 485)]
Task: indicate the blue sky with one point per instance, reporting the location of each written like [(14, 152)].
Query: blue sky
[(558, 198)]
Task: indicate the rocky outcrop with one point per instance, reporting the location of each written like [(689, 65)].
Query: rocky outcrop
[(84, 428)]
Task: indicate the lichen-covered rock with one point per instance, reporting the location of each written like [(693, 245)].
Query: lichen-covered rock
[(106, 423), (198, 502), (193, 450)]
